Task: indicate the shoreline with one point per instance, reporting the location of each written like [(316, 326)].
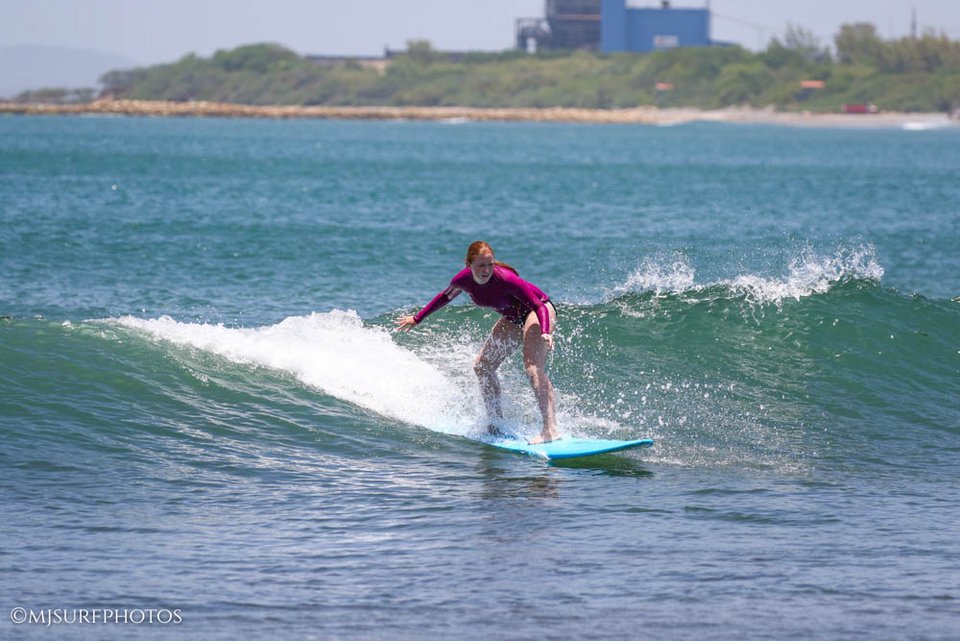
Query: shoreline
[(637, 115)]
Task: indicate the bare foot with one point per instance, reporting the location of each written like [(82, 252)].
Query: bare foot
[(544, 438)]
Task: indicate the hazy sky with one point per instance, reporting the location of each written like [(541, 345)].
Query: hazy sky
[(151, 31)]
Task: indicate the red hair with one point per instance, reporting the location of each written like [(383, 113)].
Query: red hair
[(482, 247)]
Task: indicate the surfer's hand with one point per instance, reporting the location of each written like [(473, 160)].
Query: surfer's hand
[(404, 323), (548, 339)]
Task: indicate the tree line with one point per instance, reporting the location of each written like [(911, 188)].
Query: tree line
[(907, 74)]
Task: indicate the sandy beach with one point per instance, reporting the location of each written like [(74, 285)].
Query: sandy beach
[(638, 115)]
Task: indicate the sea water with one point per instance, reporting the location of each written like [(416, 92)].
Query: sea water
[(204, 411)]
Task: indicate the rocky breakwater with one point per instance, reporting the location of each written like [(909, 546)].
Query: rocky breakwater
[(637, 115), (647, 115)]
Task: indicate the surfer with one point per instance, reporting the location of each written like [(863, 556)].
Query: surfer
[(528, 318)]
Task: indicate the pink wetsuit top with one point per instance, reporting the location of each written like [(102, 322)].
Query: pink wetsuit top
[(505, 292)]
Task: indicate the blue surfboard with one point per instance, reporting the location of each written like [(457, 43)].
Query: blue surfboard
[(566, 447)]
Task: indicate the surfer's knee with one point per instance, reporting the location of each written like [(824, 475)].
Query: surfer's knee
[(535, 373), (482, 368)]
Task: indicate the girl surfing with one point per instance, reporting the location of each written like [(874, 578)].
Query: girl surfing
[(527, 318)]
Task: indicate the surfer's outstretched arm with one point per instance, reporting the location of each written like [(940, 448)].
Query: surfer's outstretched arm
[(405, 323)]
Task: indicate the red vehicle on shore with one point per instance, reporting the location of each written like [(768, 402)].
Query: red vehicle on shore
[(859, 108)]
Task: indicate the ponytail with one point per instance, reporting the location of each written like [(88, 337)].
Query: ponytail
[(506, 266)]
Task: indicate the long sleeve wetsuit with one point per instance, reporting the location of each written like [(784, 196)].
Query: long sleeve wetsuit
[(507, 293)]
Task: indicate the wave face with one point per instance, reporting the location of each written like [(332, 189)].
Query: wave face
[(820, 366), (823, 361)]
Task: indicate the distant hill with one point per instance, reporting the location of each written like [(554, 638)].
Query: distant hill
[(910, 75), (25, 67), (866, 72)]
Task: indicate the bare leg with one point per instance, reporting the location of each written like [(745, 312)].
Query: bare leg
[(535, 353), (504, 340)]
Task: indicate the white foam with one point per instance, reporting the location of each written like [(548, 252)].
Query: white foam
[(334, 352), (926, 125), (674, 276), (807, 274), (810, 274), (433, 387)]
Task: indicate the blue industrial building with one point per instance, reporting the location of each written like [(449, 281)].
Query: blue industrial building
[(613, 26), (624, 28)]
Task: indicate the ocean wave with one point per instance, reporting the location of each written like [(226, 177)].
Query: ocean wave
[(672, 275), (842, 371), (425, 379), (926, 125), (334, 352), (745, 371), (806, 274)]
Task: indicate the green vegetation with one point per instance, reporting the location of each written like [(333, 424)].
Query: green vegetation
[(910, 74), (58, 95)]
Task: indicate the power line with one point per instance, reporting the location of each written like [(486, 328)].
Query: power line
[(746, 23), (762, 30)]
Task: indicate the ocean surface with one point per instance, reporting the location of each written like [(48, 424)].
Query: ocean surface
[(209, 430)]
